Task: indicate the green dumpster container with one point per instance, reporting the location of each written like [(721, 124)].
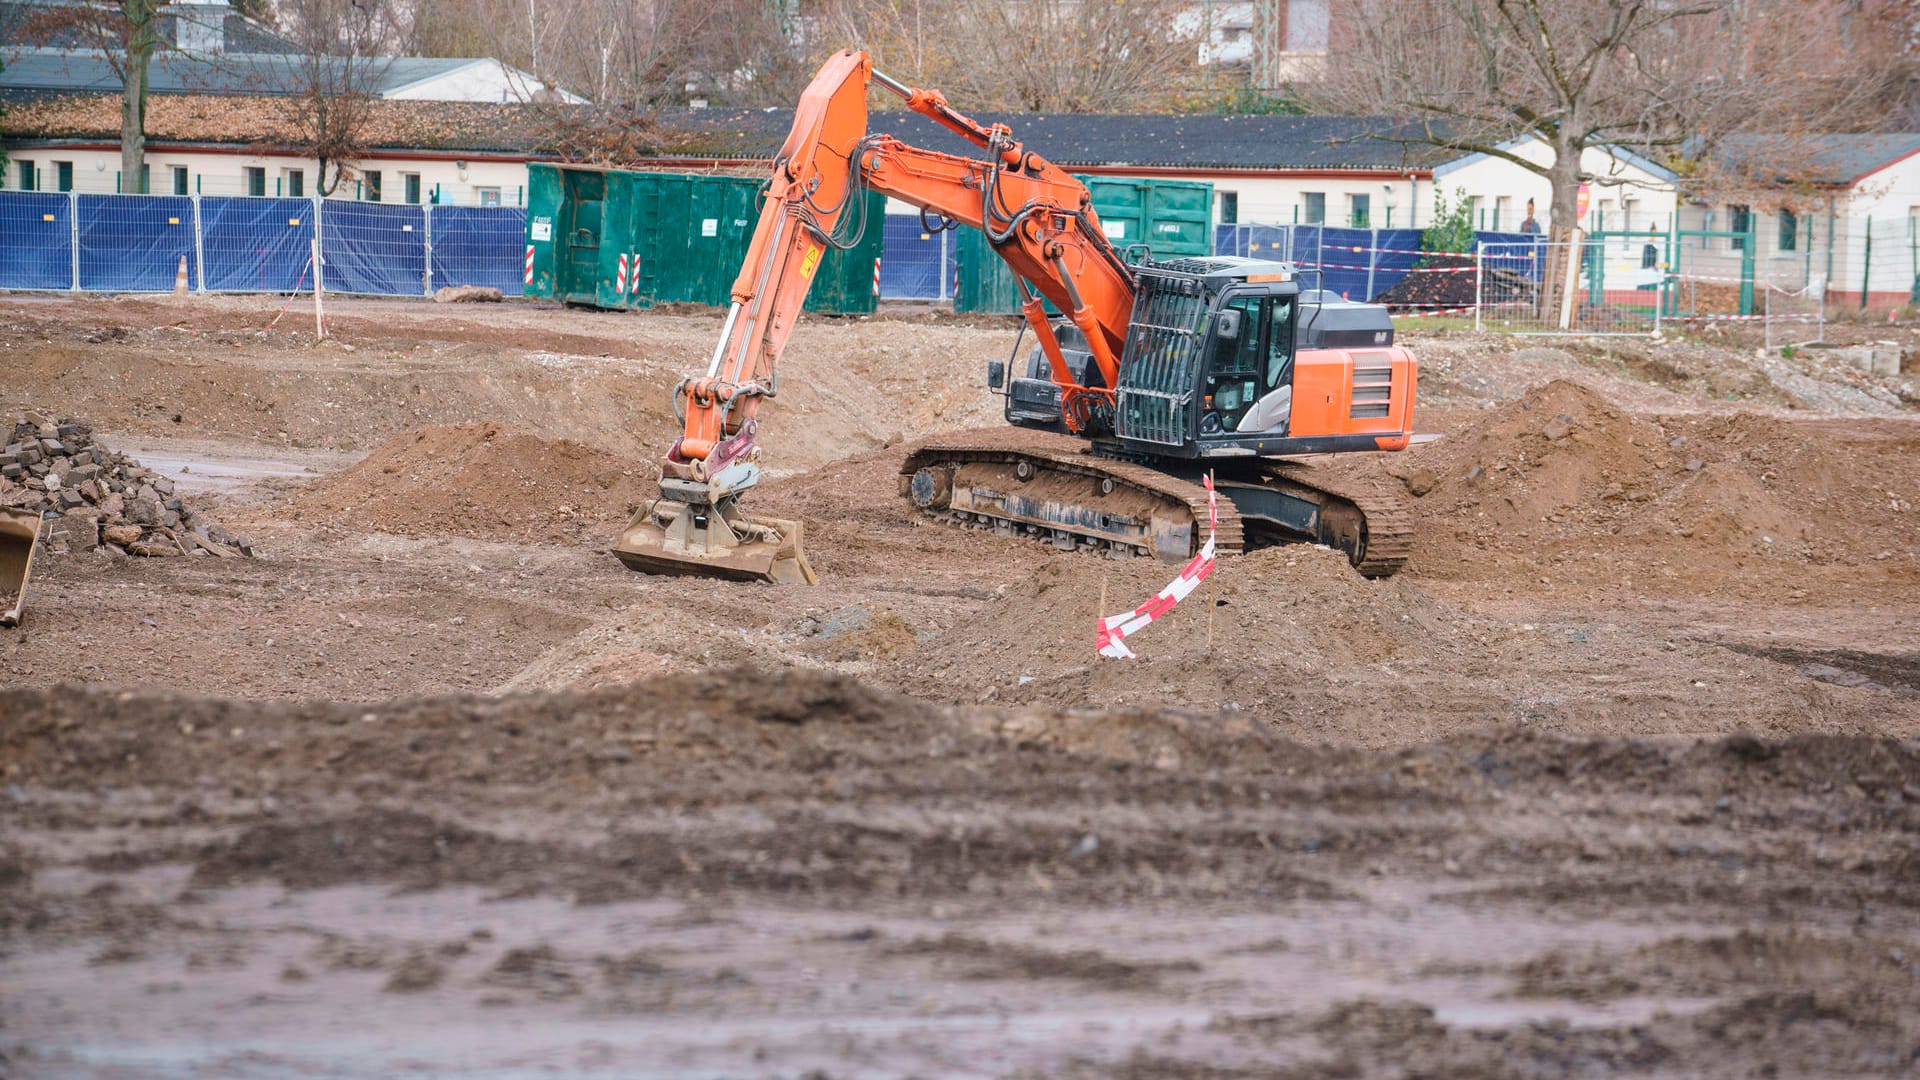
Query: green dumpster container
[(616, 238), (1170, 217)]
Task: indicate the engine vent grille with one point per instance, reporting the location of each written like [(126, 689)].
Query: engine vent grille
[(1372, 385)]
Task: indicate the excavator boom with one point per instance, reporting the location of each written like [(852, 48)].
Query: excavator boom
[(1040, 219)]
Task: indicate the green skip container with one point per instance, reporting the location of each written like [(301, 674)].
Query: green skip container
[(620, 239), (1169, 217)]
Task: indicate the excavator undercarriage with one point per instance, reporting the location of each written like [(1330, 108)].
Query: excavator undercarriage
[(1055, 490)]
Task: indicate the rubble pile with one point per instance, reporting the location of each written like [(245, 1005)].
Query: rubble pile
[(95, 498)]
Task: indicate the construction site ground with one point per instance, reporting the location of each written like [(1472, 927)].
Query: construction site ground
[(1620, 776)]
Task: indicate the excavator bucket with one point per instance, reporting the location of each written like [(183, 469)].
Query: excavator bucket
[(671, 538), (19, 536)]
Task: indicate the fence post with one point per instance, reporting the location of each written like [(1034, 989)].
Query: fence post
[(426, 228), (1373, 258), (1479, 279), (199, 247), (1866, 265), (73, 225)]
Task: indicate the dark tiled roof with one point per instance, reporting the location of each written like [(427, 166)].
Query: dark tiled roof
[(263, 122), (1084, 139), (39, 72), (1822, 159)]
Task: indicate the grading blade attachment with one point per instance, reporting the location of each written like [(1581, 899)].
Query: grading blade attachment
[(19, 536), (677, 538)]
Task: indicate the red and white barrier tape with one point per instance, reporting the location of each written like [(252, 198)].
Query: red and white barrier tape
[(1431, 314), (1111, 631), (876, 277), (1397, 251), (1393, 270)]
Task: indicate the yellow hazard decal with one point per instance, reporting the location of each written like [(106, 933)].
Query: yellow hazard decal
[(810, 261)]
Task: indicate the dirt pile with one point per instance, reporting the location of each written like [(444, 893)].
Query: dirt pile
[(484, 481), (1441, 281), (1277, 612), (1563, 473), (101, 500)]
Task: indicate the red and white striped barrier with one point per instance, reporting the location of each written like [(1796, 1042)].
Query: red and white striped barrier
[(1391, 270), (876, 277), (620, 278), (1397, 251), (1111, 631), (529, 278), (1431, 314)]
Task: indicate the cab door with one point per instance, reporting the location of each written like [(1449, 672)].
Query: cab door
[(1244, 372)]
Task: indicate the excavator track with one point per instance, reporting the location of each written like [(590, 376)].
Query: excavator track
[(1384, 524), (1067, 497), (1052, 489)]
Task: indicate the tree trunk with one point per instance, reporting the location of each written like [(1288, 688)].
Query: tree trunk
[(142, 37), (1563, 217)]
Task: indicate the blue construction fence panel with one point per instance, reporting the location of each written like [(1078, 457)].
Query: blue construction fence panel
[(373, 248), (1518, 253), (480, 245), (256, 245), (916, 263), (36, 241), (1253, 241), (134, 243)]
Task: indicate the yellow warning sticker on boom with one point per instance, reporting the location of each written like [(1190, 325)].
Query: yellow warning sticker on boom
[(810, 261)]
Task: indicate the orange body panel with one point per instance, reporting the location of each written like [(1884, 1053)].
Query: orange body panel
[(1323, 394)]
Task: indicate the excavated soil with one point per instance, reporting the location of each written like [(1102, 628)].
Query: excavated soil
[(1621, 774), (480, 480)]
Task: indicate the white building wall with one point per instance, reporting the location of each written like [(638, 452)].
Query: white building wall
[(98, 171), (1488, 180), (1885, 204)]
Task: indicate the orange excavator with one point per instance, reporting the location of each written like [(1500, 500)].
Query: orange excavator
[(1152, 375)]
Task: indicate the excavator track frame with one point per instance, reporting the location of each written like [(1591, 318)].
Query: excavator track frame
[(1018, 491)]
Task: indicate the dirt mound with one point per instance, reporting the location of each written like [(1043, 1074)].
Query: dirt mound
[(1275, 611), (1563, 476), (482, 480)]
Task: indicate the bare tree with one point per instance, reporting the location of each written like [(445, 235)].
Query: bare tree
[(127, 34), (1038, 55), (1660, 77), (345, 49)]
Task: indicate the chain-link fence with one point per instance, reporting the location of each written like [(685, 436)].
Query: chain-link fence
[(141, 243)]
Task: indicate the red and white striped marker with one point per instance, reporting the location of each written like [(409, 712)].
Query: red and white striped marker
[(1111, 631), (620, 282), (529, 279), (633, 282), (876, 277)]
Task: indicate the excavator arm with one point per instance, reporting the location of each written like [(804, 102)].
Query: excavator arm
[(1036, 216)]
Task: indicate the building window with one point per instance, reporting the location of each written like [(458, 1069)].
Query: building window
[(1742, 223), (297, 183), (1229, 208), (1502, 211), (410, 182), (179, 179), (1789, 231), (1360, 211), (146, 178), (488, 196), (63, 175), (1315, 207), (256, 180), (370, 185), (1626, 214), (26, 176)]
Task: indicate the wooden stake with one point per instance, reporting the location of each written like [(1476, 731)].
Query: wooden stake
[(1215, 570), (319, 319)]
